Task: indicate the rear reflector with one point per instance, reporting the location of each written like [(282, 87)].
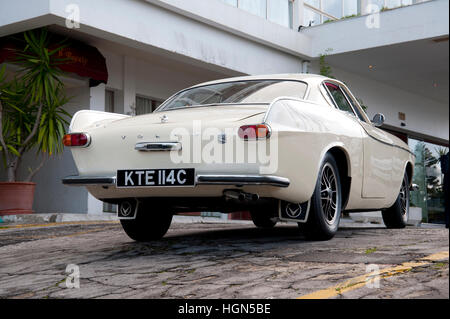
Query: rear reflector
[(76, 139), (253, 132)]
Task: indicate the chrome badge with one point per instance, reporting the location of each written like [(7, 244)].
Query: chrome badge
[(164, 119), (126, 209), (293, 210)]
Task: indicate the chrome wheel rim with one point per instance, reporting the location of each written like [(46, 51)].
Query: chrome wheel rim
[(404, 200), (329, 194)]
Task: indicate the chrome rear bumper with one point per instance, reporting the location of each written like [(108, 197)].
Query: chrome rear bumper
[(201, 179), (89, 180), (240, 180)]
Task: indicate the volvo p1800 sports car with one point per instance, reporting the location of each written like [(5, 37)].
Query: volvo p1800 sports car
[(296, 148)]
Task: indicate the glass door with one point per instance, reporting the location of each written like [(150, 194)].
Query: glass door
[(428, 176)]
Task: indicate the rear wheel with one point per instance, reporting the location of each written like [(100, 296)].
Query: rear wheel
[(151, 223), (326, 203), (397, 215)]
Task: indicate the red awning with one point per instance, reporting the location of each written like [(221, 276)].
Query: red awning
[(83, 59)]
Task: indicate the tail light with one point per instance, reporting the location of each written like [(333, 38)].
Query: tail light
[(254, 132), (77, 140)]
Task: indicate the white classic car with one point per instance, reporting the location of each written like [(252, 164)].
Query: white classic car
[(294, 147)]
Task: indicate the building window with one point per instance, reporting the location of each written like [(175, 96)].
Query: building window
[(429, 178), (351, 8), (333, 8), (277, 11), (234, 3), (319, 11), (146, 105), (256, 7), (311, 17), (281, 12)]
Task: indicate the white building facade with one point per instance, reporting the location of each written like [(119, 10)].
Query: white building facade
[(393, 54)]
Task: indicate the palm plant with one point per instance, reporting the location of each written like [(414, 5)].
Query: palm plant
[(31, 113)]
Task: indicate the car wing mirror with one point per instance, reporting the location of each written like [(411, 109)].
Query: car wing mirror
[(378, 119)]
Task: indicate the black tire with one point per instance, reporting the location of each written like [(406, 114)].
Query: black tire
[(396, 216), (151, 223), (325, 211), (264, 217)]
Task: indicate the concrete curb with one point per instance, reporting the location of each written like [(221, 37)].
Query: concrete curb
[(55, 218), (61, 218), (415, 217)]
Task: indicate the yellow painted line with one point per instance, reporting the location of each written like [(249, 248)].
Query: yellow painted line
[(78, 234), (61, 224), (438, 256), (363, 280)]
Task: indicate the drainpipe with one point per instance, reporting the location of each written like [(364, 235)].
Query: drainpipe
[(305, 66)]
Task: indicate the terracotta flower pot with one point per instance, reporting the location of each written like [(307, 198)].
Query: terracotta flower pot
[(16, 198)]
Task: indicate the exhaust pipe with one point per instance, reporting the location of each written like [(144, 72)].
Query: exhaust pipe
[(240, 196)]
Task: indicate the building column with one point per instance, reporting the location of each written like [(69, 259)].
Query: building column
[(97, 103), (306, 66), (129, 85), (97, 98)]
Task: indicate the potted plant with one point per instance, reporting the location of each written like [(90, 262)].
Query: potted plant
[(31, 116)]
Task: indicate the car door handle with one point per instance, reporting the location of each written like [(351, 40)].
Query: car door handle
[(157, 146)]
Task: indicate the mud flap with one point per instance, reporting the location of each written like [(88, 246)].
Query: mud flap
[(293, 212), (128, 209)]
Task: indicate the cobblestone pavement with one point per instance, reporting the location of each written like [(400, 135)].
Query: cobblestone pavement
[(221, 261)]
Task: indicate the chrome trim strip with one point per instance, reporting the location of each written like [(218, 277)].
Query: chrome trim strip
[(389, 144), (242, 180), (157, 146), (89, 180)]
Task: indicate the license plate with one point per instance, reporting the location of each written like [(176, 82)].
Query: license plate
[(156, 177)]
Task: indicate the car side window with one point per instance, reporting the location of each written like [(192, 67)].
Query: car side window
[(339, 98)]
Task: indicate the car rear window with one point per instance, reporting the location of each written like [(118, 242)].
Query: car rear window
[(239, 92)]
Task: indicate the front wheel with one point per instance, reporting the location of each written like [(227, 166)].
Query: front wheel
[(397, 215), (326, 203), (151, 223)]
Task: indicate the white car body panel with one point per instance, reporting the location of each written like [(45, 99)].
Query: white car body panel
[(305, 130)]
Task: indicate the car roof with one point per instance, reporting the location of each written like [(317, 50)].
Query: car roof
[(304, 77)]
